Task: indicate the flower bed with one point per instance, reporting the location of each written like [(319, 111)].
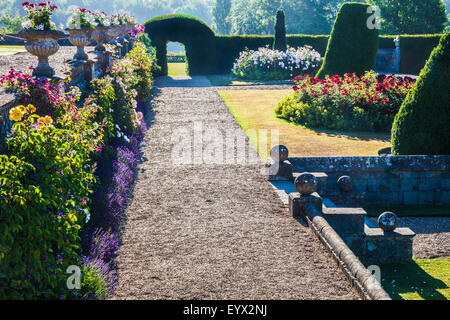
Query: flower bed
[(268, 64), (65, 177), (367, 103)]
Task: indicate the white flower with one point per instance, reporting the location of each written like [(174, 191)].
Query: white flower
[(126, 139), (27, 24), (88, 215), (40, 27)]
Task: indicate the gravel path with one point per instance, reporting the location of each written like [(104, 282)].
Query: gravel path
[(213, 231)]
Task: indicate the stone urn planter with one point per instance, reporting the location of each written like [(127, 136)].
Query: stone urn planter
[(80, 38), (42, 44), (100, 34), (114, 32)]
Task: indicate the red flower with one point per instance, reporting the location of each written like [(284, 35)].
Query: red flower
[(295, 88), (25, 4)]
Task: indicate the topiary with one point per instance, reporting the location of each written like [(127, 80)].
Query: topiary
[(422, 124), (197, 37), (352, 46), (279, 42)]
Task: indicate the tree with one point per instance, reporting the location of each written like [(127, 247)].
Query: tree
[(352, 46), (220, 12), (411, 17), (422, 124), (279, 42)]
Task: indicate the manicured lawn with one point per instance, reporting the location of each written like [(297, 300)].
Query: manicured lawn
[(176, 69), (5, 50), (220, 80), (254, 109), (410, 211), (422, 279)]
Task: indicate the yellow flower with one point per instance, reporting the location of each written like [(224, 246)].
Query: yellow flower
[(31, 108), (22, 109), (72, 218), (15, 114), (47, 120)]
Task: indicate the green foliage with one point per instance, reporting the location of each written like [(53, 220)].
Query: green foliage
[(43, 185), (279, 42), (11, 24), (197, 37), (94, 283), (352, 46), (422, 124), (411, 17), (220, 12), (415, 51)]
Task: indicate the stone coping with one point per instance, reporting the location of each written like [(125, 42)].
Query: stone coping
[(371, 163)]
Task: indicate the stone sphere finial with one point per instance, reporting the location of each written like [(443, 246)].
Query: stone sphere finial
[(279, 153), (345, 184), (306, 183), (388, 221)]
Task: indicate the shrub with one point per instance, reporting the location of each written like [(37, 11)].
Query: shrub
[(279, 42), (229, 47), (267, 64), (422, 124), (43, 204), (368, 102), (352, 46)]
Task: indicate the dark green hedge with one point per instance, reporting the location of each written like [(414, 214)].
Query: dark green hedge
[(209, 53), (415, 51), (422, 123), (197, 37), (352, 47)]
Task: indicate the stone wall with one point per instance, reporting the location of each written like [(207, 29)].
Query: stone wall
[(391, 180)]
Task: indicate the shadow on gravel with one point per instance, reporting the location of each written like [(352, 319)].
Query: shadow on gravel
[(182, 82)]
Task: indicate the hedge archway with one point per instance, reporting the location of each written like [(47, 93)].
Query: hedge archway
[(194, 34)]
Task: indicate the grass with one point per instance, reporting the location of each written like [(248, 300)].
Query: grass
[(421, 279), (220, 80), (176, 69), (410, 211), (254, 109), (5, 50)]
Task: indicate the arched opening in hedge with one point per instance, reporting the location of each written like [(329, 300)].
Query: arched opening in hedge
[(197, 37)]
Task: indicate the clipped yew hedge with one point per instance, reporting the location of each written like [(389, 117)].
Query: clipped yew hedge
[(422, 124), (197, 37), (352, 47), (208, 53)]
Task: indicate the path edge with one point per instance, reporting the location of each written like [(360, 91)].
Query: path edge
[(367, 287)]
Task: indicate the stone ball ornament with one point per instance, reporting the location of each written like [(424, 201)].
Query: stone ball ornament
[(345, 184), (306, 183), (279, 153), (388, 221)]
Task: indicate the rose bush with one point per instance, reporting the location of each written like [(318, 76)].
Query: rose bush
[(268, 64), (369, 102)]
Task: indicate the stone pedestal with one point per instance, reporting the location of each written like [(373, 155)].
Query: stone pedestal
[(297, 202), (279, 170), (380, 247)]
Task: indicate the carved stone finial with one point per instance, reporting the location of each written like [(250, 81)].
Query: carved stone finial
[(388, 221), (279, 153), (345, 184), (306, 183)]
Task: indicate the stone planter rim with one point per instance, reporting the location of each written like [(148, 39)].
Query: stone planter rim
[(30, 33)]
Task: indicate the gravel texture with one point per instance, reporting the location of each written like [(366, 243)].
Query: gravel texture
[(432, 240), (213, 231)]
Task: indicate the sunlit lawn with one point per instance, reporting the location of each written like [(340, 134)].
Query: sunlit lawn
[(5, 50), (229, 80), (176, 69), (254, 109), (421, 279)]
